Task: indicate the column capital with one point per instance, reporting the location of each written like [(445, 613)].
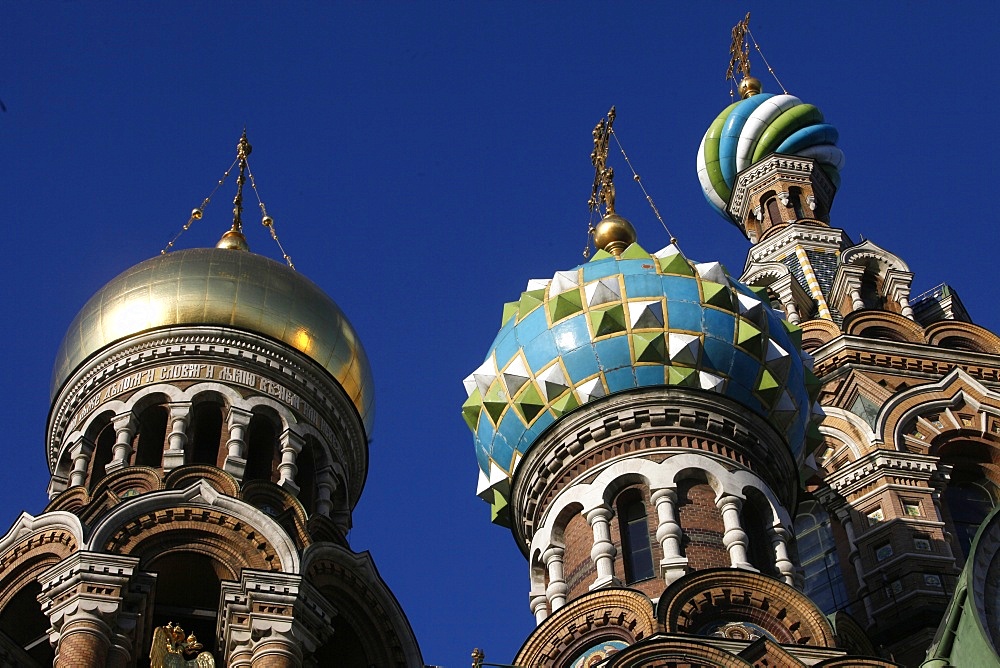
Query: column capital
[(274, 614)]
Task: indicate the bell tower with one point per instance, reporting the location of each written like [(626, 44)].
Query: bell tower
[(207, 442)]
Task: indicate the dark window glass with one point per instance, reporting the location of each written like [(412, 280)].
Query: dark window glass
[(824, 581), (969, 504), (635, 540)]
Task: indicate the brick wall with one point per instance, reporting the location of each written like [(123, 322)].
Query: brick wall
[(702, 525)]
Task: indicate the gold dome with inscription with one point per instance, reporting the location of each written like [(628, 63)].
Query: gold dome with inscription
[(221, 287)]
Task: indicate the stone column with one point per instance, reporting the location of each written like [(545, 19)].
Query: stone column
[(291, 446), (177, 439), (82, 597), (669, 534), (556, 590), (236, 462), (125, 428), (326, 485), (80, 452), (735, 539), (539, 606), (854, 556), (272, 620), (856, 302), (779, 541), (603, 553)]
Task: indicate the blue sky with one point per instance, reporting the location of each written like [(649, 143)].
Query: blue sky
[(422, 161)]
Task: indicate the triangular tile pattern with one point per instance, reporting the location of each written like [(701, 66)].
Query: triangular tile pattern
[(703, 329)]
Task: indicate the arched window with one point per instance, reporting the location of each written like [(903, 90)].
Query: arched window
[(263, 453), (187, 593), (305, 478), (24, 623), (206, 433), (760, 550), (774, 212), (152, 435), (968, 503), (824, 581), (636, 549), (102, 455)]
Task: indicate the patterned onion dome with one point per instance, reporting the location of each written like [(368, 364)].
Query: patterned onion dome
[(755, 127), (614, 324), (221, 286)]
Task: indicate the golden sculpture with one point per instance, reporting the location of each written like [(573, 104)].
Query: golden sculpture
[(172, 649), (739, 50)]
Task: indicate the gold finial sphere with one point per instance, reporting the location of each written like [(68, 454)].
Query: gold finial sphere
[(233, 240), (749, 87), (196, 214), (614, 234)]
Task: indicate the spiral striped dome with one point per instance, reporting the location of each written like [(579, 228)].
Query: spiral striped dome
[(748, 130)]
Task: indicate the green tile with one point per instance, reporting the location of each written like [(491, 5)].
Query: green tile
[(509, 311), (680, 375), (649, 347), (717, 294), (564, 404), (471, 408), (768, 387), (600, 255), (529, 403), (565, 305), (608, 321), (495, 401), (529, 302), (675, 264), (635, 252), (794, 333), (749, 338)]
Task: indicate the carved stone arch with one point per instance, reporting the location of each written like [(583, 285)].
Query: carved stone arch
[(129, 481), (850, 635), (677, 652), (201, 391), (34, 544), (883, 325), (192, 474), (148, 396), (561, 519), (100, 419), (847, 429), (282, 415), (763, 274), (956, 387), (817, 332), (198, 519), (351, 582), (722, 595), (282, 506), (957, 335), (605, 614), (605, 487), (71, 500), (867, 251)]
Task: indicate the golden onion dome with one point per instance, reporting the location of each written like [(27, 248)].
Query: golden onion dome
[(222, 287)]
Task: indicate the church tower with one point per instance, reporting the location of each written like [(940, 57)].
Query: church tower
[(640, 422), (207, 442), (906, 471)]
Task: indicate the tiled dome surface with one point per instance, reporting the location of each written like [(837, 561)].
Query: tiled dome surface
[(611, 325)]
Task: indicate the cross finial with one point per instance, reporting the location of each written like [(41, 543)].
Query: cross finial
[(604, 187), (739, 50), (243, 149)]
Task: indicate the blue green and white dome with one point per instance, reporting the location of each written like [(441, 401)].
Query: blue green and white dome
[(614, 324), (761, 124)]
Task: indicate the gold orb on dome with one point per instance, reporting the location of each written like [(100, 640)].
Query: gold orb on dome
[(749, 86), (614, 234), (233, 240)]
